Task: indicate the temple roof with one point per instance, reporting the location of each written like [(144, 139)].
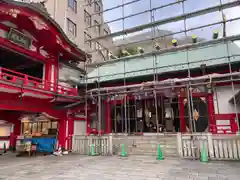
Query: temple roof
[(39, 9), (173, 60)]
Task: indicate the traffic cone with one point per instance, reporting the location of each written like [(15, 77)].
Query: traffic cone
[(123, 153), (4, 148), (204, 154), (160, 154), (92, 151)]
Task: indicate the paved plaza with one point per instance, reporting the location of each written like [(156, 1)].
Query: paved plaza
[(74, 167)]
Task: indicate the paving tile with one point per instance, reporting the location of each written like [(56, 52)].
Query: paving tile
[(74, 167)]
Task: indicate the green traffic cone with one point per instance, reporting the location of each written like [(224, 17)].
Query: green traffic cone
[(4, 148), (160, 154), (204, 155), (92, 151), (123, 153)]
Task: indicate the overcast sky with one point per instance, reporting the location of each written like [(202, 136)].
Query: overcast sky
[(171, 11)]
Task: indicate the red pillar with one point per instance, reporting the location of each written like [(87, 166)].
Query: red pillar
[(70, 132), (211, 112), (181, 114), (62, 132), (108, 117), (48, 75), (88, 120), (56, 76)]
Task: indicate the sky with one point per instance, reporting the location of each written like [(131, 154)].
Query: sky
[(233, 28)]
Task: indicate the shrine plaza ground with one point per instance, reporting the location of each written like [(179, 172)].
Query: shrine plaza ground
[(74, 167)]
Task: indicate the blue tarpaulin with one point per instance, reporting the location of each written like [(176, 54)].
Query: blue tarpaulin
[(45, 144)]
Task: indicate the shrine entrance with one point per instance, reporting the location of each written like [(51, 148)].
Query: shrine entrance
[(196, 111)]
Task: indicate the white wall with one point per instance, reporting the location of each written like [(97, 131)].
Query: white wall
[(80, 127), (222, 95)]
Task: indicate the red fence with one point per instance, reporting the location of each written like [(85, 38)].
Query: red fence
[(33, 82), (225, 128)]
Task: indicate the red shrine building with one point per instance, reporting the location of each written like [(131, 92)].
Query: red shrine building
[(33, 50)]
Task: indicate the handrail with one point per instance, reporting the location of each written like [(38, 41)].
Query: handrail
[(27, 80)]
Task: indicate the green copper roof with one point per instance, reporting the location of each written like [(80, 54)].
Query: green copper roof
[(211, 54)]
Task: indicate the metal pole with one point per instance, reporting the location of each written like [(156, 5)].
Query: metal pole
[(183, 16), (190, 110), (86, 99), (99, 108), (167, 82), (136, 115), (156, 109), (115, 114)]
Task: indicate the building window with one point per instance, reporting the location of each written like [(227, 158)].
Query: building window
[(72, 27), (98, 46), (88, 2), (89, 61), (86, 38), (97, 7), (73, 5), (97, 27), (87, 18), (105, 32)]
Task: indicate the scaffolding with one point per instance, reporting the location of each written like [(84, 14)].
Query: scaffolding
[(166, 102)]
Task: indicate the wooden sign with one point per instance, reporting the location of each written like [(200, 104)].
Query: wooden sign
[(19, 38)]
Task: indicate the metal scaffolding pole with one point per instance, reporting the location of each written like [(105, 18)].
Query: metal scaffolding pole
[(168, 20), (99, 106), (173, 49), (166, 82)]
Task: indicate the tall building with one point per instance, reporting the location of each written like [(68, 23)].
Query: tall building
[(80, 20)]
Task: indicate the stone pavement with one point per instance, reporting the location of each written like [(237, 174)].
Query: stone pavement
[(75, 167)]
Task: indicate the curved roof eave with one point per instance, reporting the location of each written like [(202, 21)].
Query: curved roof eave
[(47, 17)]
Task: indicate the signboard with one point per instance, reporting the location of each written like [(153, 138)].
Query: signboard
[(19, 38)]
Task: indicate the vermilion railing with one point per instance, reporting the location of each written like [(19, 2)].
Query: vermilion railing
[(33, 82), (230, 128)]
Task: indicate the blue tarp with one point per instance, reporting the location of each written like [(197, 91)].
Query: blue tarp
[(46, 144)]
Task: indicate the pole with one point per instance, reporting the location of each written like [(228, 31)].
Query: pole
[(156, 109)]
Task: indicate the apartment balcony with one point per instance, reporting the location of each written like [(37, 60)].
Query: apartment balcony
[(15, 82)]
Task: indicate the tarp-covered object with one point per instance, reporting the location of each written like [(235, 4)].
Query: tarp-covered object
[(45, 144)]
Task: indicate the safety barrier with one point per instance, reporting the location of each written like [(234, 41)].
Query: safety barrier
[(217, 147), (98, 145)]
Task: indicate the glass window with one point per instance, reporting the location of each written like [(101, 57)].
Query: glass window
[(97, 7), (98, 46), (105, 32), (88, 2), (72, 27), (87, 37), (87, 18), (97, 27), (73, 5)]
